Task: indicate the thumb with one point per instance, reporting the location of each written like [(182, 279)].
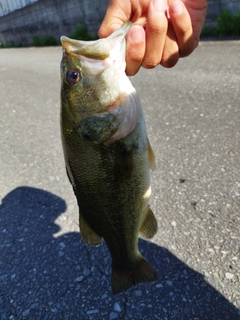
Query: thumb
[(115, 16)]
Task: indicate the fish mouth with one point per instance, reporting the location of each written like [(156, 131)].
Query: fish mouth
[(99, 49)]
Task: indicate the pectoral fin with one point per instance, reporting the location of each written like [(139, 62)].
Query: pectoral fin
[(88, 235), (149, 226), (123, 163)]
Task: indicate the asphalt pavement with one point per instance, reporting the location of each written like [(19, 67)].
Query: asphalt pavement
[(193, 119)]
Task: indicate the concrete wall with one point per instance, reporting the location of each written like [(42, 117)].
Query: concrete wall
[(51, 17), (7, 6), (58, 17), (215, 7)]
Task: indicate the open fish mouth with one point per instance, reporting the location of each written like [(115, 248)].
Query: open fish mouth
[(98, 49)]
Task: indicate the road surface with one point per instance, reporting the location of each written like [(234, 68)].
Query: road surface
[(193, 119)]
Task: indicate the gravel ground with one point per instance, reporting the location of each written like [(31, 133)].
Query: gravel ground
[(193, 119)]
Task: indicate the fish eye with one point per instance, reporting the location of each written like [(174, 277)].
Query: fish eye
[(73, 76)]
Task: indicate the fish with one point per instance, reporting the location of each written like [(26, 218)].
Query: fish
[(107, 153)]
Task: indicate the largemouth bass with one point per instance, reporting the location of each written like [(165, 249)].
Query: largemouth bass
[(107, 153)]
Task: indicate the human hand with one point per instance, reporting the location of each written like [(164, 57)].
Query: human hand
[(163, 30)]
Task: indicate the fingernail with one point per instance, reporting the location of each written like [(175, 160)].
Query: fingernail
[(177, 8), (136, 34), (160, 5)]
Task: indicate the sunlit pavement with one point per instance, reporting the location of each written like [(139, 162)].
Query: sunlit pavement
[(193, 119)]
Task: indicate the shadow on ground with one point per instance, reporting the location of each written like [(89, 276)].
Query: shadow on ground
[(42, 277)]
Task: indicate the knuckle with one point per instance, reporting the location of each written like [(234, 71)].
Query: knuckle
[(135, 53), (135, 56), (130, 71), (171, 61), (150, 63), (187, 48), (157, 29)]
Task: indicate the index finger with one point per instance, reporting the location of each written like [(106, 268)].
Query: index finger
[(135, 49), (156, 30)]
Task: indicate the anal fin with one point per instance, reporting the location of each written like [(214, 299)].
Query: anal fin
[(149, 226), (87, 233)]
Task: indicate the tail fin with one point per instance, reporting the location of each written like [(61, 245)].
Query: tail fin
[(123, 279)]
